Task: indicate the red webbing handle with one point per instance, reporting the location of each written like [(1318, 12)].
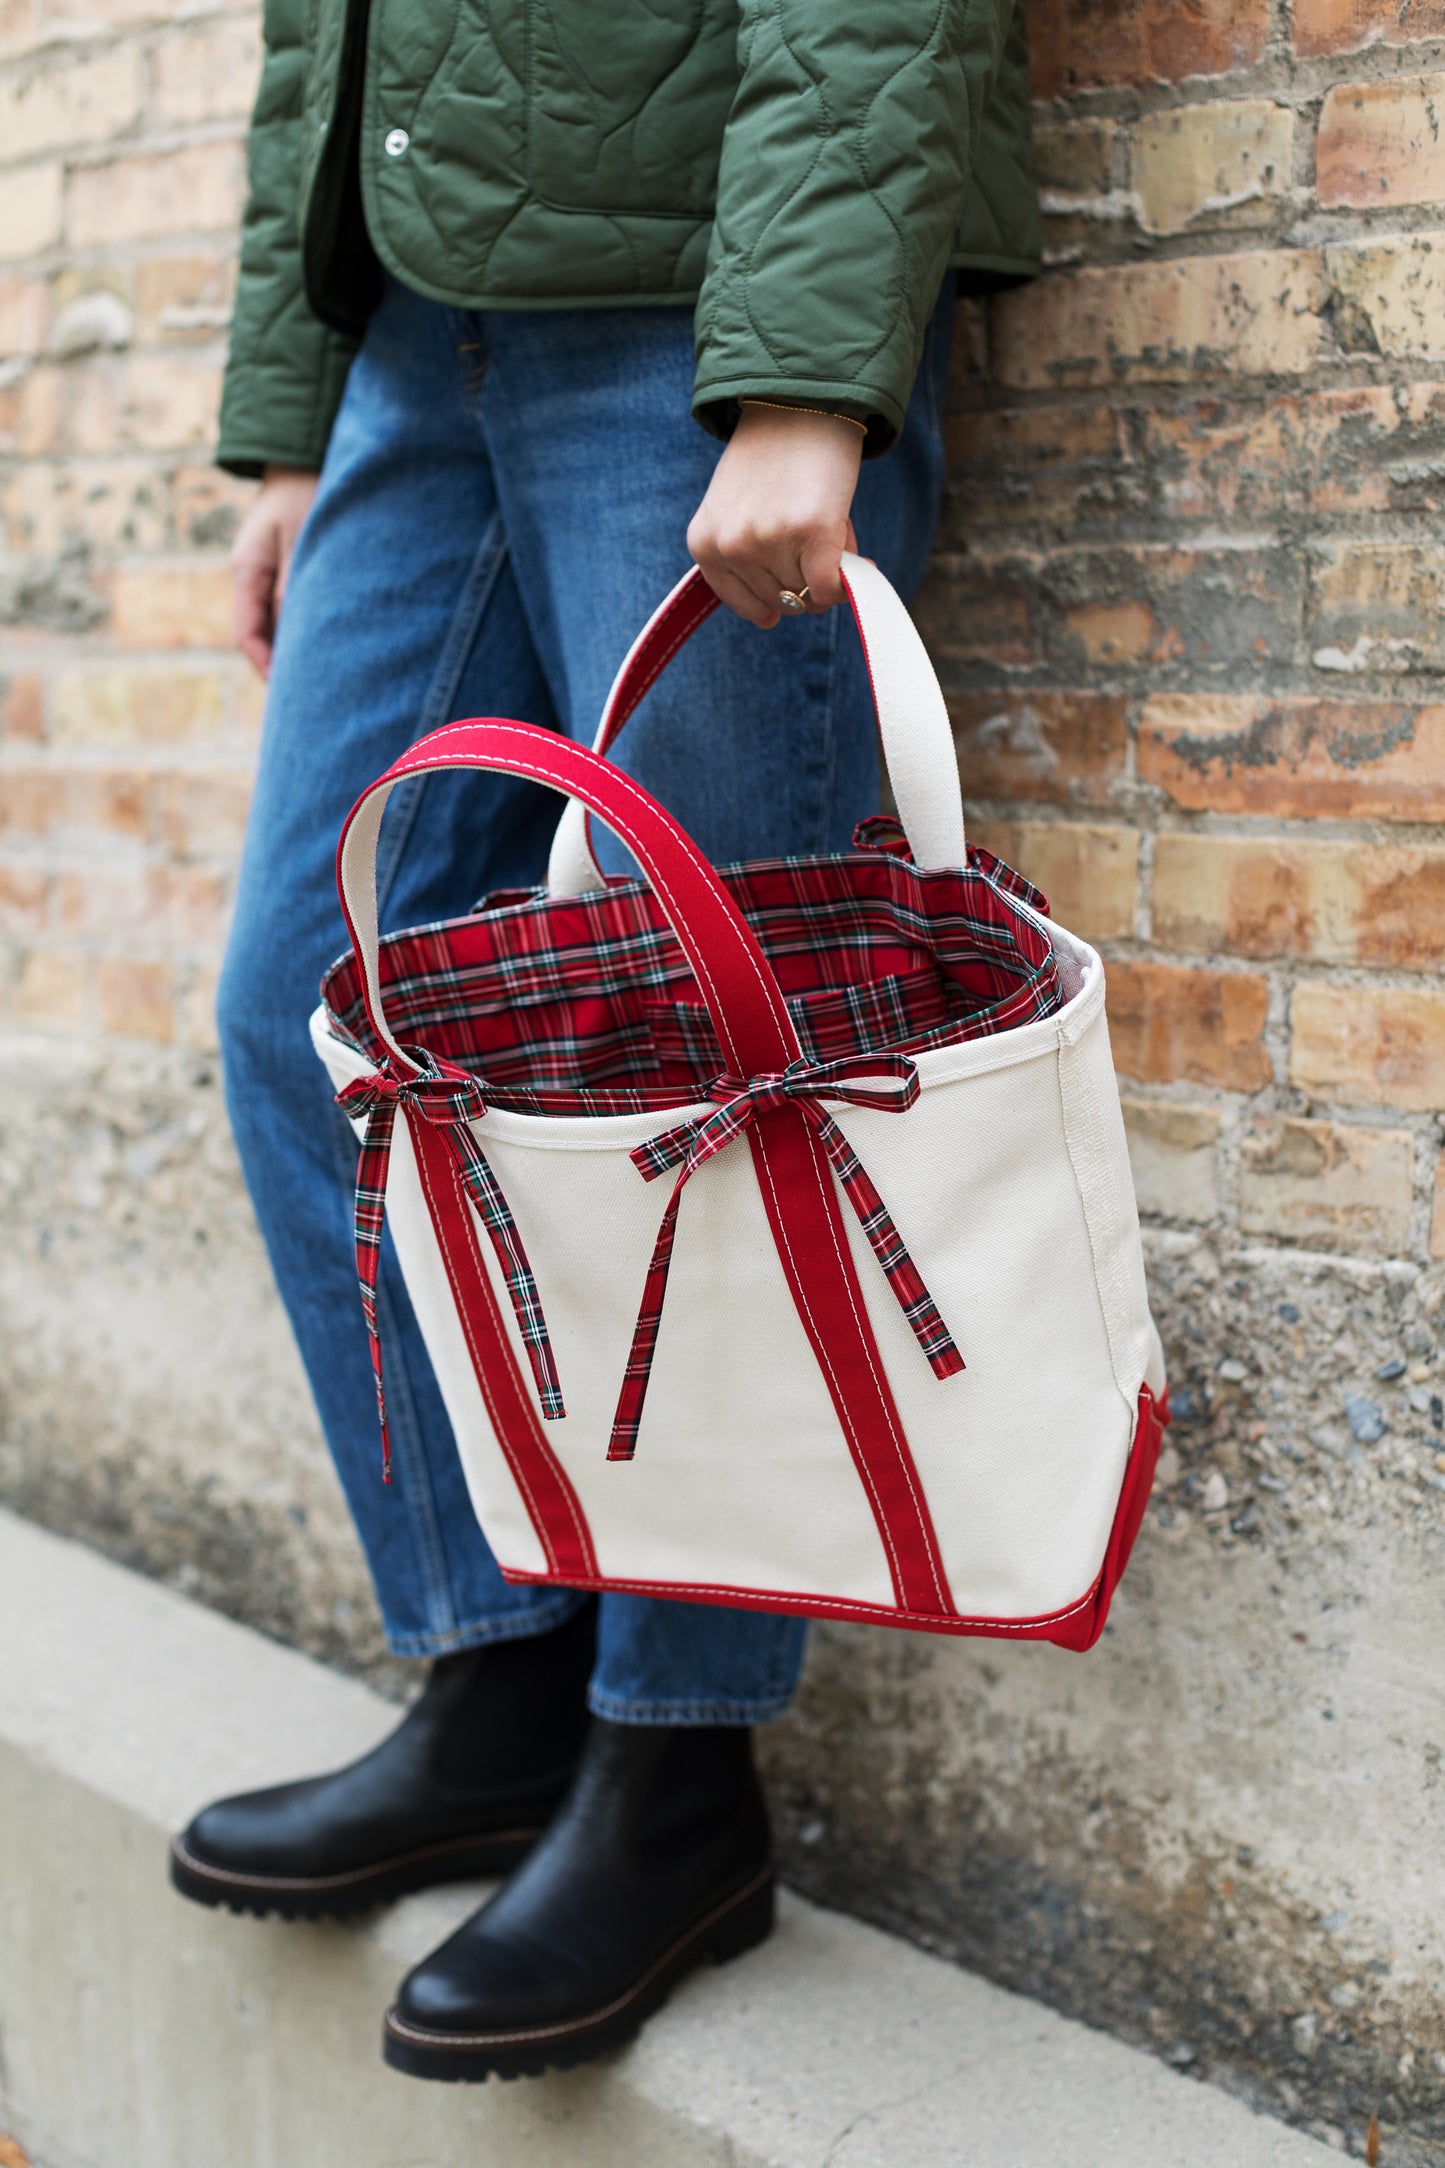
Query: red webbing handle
[(671, 625), (736, 981)]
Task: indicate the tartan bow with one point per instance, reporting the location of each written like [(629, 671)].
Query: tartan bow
[(690, 1146), (450, 1099)]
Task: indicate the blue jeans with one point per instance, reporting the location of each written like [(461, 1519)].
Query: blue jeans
[(503, 503)]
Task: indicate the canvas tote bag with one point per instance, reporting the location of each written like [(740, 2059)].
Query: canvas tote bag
[(771, 1230)]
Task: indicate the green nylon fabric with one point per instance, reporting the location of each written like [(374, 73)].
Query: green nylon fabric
[(803, 170)]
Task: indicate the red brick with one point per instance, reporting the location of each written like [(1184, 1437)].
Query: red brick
[(1220, 610), (1291, 756), (32, 209), (1388, 296), (1378, 608), (1172, 1155), (24, 888), (208, 506), (19, 26), (196, 1008), (1328, 1184), (1336, 902), (1090, 873), (1058, 746), (1034, 466), (22, 706), (187, 297), (165, 907), (1321, 452), (1256, 314), (1076, 157), (204, 815), (155, 705), (184, 604), (1077, 44), (973, 610), (85, 99), (1340, 26), (158, 402), (165, 192), (22, 316), (1168, 1023), (1379, 144), (1118, 632), (1227, 162), (209, 72), (137, 1000), (1369, 1046), (52, 992), (32, 412), (76, 807), (108, 503), (89, 18)]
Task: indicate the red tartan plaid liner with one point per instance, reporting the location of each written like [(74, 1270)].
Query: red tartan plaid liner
[(585, 1005), (579, 1005)]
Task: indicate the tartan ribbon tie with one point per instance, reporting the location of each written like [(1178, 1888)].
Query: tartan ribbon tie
[(451, 1100), (858, 1080)]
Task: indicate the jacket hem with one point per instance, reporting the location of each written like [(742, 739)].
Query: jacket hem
[(459, 297), (1006, 270), (248, 459), (1010, 268)]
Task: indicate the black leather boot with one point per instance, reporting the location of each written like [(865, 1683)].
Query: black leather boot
[(658, 1861), (464, 1786)]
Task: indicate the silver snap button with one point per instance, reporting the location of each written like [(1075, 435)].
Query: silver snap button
[(396, 142)]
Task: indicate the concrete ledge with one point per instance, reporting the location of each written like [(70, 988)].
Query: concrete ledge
[(137, 2031)]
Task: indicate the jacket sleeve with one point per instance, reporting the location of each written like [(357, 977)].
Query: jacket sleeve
[(285, 371), (845, 166)]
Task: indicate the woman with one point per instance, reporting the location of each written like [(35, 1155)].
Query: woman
[(471, 248)]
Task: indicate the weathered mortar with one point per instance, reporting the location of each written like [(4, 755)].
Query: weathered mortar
[(1218, 1834), (1221, 1831), (151, 1399)]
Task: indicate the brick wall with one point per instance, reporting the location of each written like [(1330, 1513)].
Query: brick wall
[(1187, 597), (127, 727), (1190, 585)]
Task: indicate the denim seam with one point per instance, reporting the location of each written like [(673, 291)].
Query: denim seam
[(423, 1516), (618, 1711), (483, 1632), (481, 581), (409, 1451)]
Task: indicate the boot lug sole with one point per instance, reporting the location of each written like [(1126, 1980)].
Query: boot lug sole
[(732, 1928), (340, 1896)]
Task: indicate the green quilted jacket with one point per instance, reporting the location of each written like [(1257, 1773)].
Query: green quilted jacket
[(804, 170)]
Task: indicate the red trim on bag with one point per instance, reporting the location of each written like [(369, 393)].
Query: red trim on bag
[(758, 1037), (1128, 1518), (1076, 1627), (803, 1212), (552, 1504)]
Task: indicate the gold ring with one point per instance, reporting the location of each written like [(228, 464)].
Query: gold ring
[(792, 601)]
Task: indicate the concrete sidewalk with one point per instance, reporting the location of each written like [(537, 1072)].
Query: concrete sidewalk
[(137, 2031)]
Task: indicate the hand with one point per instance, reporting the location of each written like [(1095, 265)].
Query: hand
[(776, 511), (261, 559)]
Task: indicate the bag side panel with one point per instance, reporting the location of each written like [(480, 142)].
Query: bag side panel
[(1098, 1149), (1023, 1454)]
